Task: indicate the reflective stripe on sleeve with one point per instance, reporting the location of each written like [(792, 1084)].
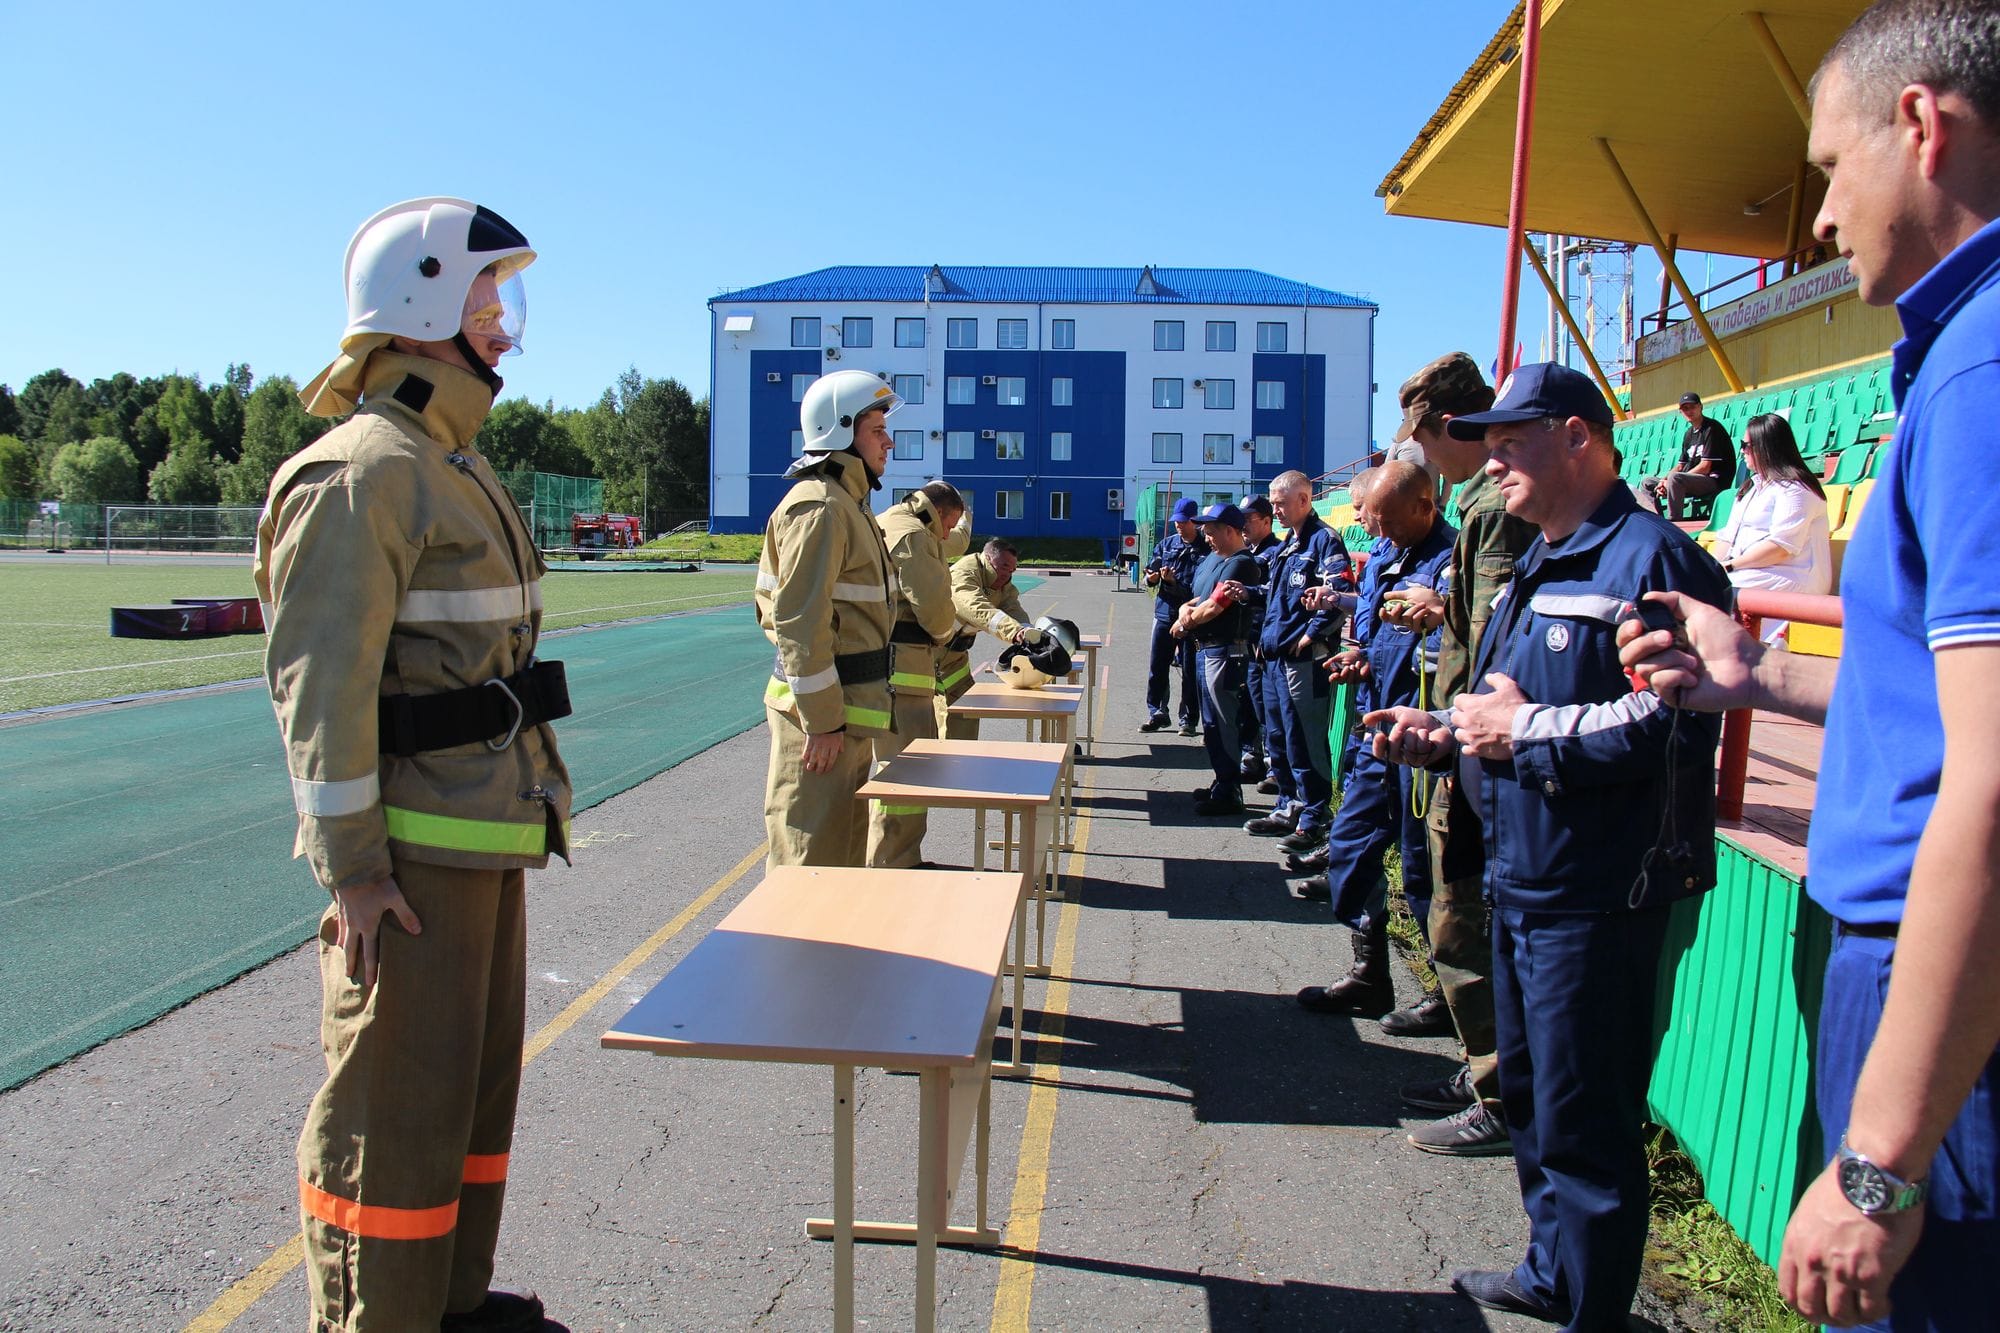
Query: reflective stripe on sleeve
[(464, 606), (465, 835), (766, 581), (328, 799), (993, 622), (860, 592), (377, 1220), (489, 1168), (867, 717), (817, 681)]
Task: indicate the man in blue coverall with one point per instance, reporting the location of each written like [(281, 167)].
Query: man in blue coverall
[(1254, 720), (1597, 810), (1295, 640), (1171, 571), (1903, 1227), (1217, 622), (1376, 810)]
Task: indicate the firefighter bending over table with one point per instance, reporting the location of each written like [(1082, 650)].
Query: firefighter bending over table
[(982, 590), (825, 598), (394, 570)]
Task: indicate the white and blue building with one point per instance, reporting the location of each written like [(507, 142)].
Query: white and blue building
[(1051, 396)]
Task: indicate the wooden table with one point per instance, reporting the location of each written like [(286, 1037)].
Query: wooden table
[(1016, 778), (1050, 716), (892, 968), (1088, 644)]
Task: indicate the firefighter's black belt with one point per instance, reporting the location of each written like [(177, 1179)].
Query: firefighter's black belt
[(494, 712), (909, 631), (963, 643), (862, 668)]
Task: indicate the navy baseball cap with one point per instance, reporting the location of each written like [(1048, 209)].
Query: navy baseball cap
[(1186, 509), (1255, 504), (1221, 512), (1544, 389)]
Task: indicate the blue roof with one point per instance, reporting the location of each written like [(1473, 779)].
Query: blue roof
[(1072, 286)]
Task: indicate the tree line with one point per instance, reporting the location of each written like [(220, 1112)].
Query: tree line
[(170, 439)]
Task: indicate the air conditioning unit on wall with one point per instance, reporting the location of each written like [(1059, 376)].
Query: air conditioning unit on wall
[(985, 434), (833, 354), (989, 379), (1114, 499), (773, 377)]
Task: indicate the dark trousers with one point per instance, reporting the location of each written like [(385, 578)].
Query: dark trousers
[(1946, 1285), (1171, 657), (1303, 696), (1221, 669), (1669, 493), (1267, 680), (1250, 714), (1461, 939), (1573, 999), (1374, 816)]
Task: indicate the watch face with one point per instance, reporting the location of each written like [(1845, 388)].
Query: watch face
[(1863, 1185)]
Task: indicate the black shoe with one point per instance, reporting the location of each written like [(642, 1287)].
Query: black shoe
[(1153, 724), (1313, 890), (1252, 769), (1498, 1291), (1190, 729), (1473, 1132), (1203, 793), (1231, 804), (1303, 841), (1269, 786), (1366, 990), (500, 1312), (1268, 826), (1428, 1017), (1446, 1094), (1312, 863)]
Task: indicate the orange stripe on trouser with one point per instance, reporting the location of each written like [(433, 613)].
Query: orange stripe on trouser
[(486, 1168), (377, 1220)]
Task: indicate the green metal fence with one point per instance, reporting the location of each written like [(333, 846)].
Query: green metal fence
[(23, 526), (549, 500)]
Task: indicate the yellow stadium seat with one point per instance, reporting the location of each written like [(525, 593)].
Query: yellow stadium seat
[(1814, 640), (1836, 505), (1857, 499)]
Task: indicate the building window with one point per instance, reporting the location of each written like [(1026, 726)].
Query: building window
[(1166, 446), (1217, 448), (798, 444), (1013, 391), (1008, 504), (1220, 335), (961, 389), (958, 444), (909, 333), (1270, 337), (909, 444), (961, 333), (800, 383), (1010, 444), (1059, 446), (1217, 498), (1169, 335), (805, 331), (1059, 506), (857, 331), (1167, 393), (1062, 391), (1270, 393), (910, 388), (1062, 334), (1270, 448), (1218, 394), (1011, 334), (898, 494)]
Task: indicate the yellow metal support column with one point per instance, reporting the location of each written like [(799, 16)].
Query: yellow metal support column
[(1666, 287), (1794, 219), (1781, 67), (1687, 295), (1582, 342)]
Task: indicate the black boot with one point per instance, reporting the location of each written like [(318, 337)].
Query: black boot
[(1365, 990)]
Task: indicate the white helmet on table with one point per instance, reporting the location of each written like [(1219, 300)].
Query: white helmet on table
[(834, 402), (414, 271)]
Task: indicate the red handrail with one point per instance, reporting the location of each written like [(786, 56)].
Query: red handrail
[(1753, 605)]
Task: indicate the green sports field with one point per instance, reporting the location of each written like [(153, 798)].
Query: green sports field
[(56, 645)]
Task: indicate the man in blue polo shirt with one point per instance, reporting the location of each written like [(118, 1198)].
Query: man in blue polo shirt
[(1903, 1228)]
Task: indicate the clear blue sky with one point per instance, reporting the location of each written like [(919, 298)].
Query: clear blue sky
[(184, 179)]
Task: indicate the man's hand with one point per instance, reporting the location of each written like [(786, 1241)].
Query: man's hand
[(1166, 574), (1838, 1260), (1409, 736), (1231, 590), (1346, 667), (823, 750), (358, 923), (1713, 671), (1483, 724), (1152, 577), (1320, 599), (1027, 634), (1303, 646), (1414, 607)]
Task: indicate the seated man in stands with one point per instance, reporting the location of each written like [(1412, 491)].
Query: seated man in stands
[(1708, 463)]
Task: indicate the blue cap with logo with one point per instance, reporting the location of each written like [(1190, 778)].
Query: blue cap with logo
[(1185, 509), (1531, 393), (1221, 512)]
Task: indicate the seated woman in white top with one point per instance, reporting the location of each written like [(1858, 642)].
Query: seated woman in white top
[(1776, 536)]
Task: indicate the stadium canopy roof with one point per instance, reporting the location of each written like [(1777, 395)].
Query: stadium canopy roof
[(1070, 286), (1685, 92)]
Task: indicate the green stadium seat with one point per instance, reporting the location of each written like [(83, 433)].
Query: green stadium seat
[(1853, 465)]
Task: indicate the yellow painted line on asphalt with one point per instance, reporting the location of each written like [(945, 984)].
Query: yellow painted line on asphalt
[(252, 1286), (1016, 1289)]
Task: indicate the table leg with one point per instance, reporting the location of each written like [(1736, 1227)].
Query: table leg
[(1090, 701), (933, 1137), (979, 840), (982, 1146), (843, 1198)]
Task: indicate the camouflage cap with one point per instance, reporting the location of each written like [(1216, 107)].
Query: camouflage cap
[(1451, 383)]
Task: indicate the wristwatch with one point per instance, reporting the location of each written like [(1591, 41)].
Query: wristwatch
[(1873, 1190)]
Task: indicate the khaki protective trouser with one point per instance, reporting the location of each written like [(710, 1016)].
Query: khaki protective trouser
[(954, 679), (1461, 937), (896, 832), (815, 819), (403, 1162)]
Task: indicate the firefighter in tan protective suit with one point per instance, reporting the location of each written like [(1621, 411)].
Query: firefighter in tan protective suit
[(402, 596), (825, 597), (916, 532), (982, 592)]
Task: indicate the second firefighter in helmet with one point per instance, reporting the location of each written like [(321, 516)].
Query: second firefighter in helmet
[(825, 600)]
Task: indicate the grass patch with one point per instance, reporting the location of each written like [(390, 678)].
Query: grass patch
[(1694, 1259), (56, 646)]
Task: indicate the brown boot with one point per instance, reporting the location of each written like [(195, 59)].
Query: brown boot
[(1365, 990)]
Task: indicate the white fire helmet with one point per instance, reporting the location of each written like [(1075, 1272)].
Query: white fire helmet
[(834, 402), (418, 269), (1031, 666)]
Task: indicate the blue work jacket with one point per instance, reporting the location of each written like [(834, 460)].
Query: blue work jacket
[(1574, 817), (1265, 553), (1311, 557), (1399, 659), (1170, 552)]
